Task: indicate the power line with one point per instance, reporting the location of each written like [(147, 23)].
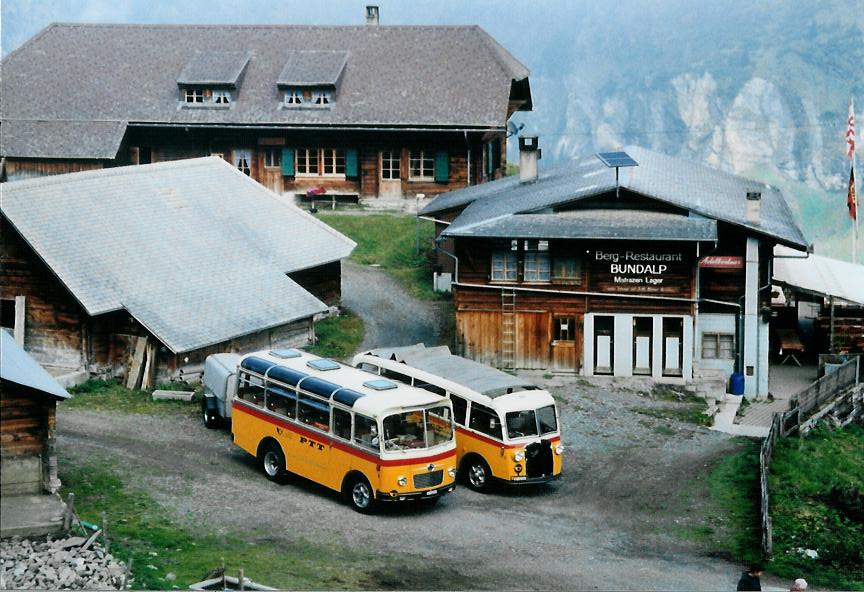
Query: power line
[(690, 131)]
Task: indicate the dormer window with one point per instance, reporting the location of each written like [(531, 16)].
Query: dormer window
[(193, 95), (321, 97), (222, 97), (294, 96)]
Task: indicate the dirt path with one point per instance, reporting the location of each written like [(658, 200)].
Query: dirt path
[(606, 525), (390, 315)]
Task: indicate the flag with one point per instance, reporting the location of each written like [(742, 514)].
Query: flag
[(850, 131), (852, 199)]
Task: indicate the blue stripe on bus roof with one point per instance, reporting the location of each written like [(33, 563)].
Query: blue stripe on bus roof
[(347, 396), (286, 375), (318, 386), (256, 365)]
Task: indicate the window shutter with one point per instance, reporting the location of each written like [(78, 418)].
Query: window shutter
[(351, 163), (442, 167), (490, 166), (496, 155), (288, 162)]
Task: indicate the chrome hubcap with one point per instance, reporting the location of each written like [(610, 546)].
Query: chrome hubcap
[(361, 494), (271, 463), (477, 475)]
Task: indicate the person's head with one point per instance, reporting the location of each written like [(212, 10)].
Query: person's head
[(800, 585), (756, 569)]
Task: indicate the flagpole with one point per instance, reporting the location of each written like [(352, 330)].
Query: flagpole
[(857, 198)]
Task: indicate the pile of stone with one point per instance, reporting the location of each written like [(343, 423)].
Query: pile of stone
[(72, 563)]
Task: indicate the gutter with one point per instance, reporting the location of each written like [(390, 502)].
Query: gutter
[(319, 127)]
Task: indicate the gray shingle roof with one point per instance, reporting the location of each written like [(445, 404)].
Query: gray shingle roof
[(17, 366), (431, 76), (193, 249), (214, 67), (61, 139), (700, 189), (615, 224), (313, 68)]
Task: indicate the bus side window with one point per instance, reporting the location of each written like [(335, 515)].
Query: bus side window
[(485, 421), (430, 387), (366, 432), (460, 409), (367, 367), (315, 412), (404, 378), (282, 401), (251, 388), (342, 423)]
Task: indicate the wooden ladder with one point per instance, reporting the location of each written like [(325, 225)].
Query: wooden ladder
[(508, 328)]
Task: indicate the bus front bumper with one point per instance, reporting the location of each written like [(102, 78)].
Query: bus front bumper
[(395, 496), (528, 480)]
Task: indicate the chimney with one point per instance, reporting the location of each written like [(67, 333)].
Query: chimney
[(529, 154), (371, 15), (754, 206)]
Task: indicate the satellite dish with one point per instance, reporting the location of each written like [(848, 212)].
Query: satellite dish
[(513, 129)]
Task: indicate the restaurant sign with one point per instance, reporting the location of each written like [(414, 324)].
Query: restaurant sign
[(636, 270), (722, 262)]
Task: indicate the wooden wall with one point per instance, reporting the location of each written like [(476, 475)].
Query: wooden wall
[(26, 168), (324, 282), (27, 422)]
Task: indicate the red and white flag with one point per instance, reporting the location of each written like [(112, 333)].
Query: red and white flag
[(852, 198), (850, 131)]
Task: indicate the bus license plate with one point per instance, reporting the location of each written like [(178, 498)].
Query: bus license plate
[(432, 492)]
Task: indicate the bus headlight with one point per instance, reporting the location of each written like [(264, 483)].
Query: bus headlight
[(519, 456), (451, 471), (559, 449), (402, 481)]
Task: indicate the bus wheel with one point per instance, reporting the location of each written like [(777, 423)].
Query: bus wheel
[(477, 474), (273, 462), (211, 420), (360, 495)]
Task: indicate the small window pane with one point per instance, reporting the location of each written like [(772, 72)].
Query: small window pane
[(366, 433), (460, 409), (314, 412), (485, 421), (342, 423)]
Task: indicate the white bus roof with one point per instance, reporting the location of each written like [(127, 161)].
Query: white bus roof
[(480, 378), (350, 382)]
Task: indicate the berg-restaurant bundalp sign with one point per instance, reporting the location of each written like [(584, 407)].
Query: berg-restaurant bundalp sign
[(640, 269)]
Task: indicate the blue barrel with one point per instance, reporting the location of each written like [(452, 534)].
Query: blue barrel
[(737, 383)]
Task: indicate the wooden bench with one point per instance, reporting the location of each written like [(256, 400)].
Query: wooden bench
[(333, 198), (791, 343)]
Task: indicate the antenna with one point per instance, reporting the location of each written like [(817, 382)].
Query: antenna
[(617, 160)]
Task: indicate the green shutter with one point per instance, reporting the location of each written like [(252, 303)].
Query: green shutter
[(442, 167), (288, 162), (490, 165), (351, 163)]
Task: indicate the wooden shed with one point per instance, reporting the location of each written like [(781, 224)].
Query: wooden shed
[(28, 459)]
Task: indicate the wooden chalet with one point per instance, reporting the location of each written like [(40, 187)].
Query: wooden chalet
[(656, 269), (190, 258), (28, 457), (363, 111)]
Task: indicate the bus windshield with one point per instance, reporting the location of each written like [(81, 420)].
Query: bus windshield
[(528, 423), (418, 429)]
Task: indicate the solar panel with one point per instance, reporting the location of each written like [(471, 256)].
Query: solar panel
[(616, 159), (380, 385), (323, 364)]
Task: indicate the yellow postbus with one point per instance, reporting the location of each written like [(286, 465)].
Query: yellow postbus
[(370, 438), (507, 429)]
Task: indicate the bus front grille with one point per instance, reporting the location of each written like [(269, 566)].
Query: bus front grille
[(429, 479), (538, 459)]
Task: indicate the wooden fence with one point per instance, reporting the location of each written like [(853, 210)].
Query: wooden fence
[(829, 394)]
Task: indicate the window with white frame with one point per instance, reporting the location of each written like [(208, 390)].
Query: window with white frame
[(334, 161), (390, 163), (243, 161), (272, 158), (321, 97), (307, 161), (537, 265), (222, 97), (505, 264), (422, 164), (293, 96), (718, 346), (193, 95)]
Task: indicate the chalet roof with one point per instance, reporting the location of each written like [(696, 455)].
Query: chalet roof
[(18, 367), (61, 139), (214, 67), (453, 77), (599, 224), (439, 361), (313, 68), (693, 187), (196, 251), (819, 275)]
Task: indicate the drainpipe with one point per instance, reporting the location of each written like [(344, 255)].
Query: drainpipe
[(440, 249), (468, 149)]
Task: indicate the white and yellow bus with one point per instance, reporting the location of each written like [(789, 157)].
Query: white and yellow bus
[(507, 429), (370, 438)]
